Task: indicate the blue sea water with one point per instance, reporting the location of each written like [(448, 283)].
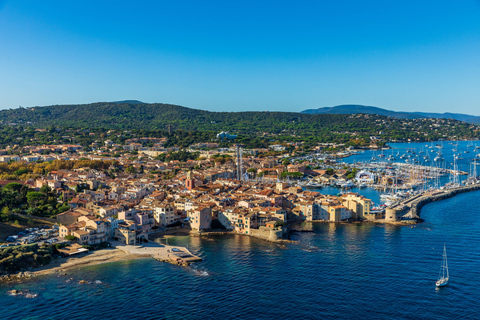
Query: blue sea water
[(341, 271)]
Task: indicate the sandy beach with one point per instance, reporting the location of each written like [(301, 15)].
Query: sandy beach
[(93, 258), (170, 233)]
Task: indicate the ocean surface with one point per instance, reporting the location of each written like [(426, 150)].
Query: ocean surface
[(340, 271)]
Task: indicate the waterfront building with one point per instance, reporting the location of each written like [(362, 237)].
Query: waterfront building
[(165, 213), (87, 230), (359, 205), (338, 213), (200, 218)]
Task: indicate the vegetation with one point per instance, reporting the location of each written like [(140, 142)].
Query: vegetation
[(13, 259), (98, 246), (295, 175), (71, 124), (280, 224), (181, 155), (16, 198), (25, 171)]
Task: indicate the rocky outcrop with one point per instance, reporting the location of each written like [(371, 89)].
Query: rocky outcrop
[(17, 276), (177, 262), (26, 293)]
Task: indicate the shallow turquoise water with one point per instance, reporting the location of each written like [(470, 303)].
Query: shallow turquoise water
[(342, 271)]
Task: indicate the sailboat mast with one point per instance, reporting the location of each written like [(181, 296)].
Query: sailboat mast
[(445, 255)]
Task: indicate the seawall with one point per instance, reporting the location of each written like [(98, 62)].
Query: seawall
[(264, 233), (273, 235), (417, 205)]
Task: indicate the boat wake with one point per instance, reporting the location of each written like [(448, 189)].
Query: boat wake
[(200, 273)]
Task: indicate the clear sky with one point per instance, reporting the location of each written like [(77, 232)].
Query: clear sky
[(243, 55)]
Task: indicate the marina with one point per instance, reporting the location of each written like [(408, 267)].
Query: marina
[(397, 180)]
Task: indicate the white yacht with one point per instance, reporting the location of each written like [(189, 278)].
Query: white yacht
[(443, 275)]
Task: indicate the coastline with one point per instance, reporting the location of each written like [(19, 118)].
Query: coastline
[(61, 265), (94, 258)]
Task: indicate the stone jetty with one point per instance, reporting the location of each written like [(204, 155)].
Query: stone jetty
[(410, 208), (417, 205)]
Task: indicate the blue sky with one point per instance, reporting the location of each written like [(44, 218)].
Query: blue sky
[(245, 55)]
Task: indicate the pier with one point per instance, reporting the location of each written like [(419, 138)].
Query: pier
[(172, 254), (410, 208), (418, 203)]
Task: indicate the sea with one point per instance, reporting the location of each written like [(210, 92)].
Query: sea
[(337, 271)]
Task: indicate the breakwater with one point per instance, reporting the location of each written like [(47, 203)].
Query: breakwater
[(277, 235), (417, 205)]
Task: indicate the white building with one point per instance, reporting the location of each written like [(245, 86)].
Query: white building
[(165, 214)]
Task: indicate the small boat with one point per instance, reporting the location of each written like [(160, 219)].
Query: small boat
[(313, 185), (443, 275)]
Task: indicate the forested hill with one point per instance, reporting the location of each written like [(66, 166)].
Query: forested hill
[(158, 116), (144, 116)]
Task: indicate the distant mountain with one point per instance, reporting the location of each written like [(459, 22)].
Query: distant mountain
[(352, 108), (457, 116)]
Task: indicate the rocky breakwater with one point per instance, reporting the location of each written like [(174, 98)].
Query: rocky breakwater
[(417, 205)]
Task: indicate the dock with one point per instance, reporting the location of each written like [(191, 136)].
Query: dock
[(172, 254)]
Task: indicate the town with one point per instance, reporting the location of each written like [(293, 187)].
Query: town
[(93, 199), (128, 199)]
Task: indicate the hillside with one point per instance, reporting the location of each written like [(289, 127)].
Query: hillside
[(354, 109), (139, 116), (157, 116)]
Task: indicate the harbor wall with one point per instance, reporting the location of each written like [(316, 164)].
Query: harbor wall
[(268, 233), (417, 205)]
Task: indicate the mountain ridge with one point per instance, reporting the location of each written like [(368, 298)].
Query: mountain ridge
[(354, 109)]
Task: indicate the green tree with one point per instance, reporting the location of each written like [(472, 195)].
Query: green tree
[(34, 197), (15, 186)]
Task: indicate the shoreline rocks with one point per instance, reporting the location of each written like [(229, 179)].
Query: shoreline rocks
[(17, 276), (26, 293), (174, 262)]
